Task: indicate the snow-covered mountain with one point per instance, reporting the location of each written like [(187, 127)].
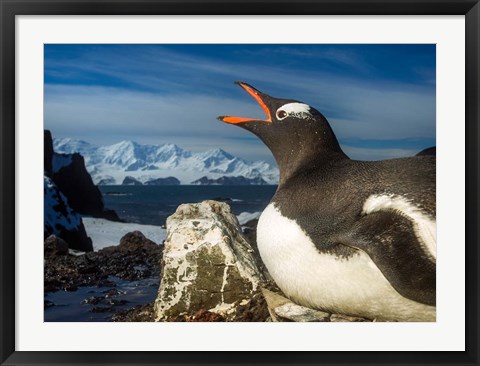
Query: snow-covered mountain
[(111, 164)]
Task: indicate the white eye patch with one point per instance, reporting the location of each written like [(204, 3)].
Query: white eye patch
[(299, 110)]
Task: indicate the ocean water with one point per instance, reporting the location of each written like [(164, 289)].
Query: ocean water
[(73, 307), (151, 205)]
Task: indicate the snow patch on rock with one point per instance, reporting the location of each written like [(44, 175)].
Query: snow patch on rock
[(61, 220), (58, 213), (105, 233)]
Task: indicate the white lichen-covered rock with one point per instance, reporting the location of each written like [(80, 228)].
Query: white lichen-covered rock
[(207, 263)]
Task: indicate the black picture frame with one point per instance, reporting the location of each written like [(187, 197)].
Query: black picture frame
[(9, 9)]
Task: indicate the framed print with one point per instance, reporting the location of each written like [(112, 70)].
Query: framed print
[(290, 217)]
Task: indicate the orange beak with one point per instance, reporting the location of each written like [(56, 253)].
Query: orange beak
[(256, 95)]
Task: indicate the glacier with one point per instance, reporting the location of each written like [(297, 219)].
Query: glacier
[(111, 164)]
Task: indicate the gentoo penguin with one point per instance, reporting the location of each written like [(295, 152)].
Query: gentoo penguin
[(345, 236)]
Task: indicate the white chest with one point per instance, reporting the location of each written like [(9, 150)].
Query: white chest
[(351, 286)]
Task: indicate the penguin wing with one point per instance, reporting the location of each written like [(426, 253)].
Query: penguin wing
[(392, 242)]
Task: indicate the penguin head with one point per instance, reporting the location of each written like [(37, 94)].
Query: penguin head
[(294, 131), (278, 111)]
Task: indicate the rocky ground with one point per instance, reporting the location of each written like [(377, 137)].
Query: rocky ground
[(135, 258)]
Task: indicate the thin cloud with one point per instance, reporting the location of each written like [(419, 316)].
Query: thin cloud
[(108, 115)]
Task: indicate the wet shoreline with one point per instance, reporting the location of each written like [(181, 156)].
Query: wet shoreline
[(95, 286)]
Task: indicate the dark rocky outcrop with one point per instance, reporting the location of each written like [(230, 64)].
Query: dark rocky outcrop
[(169, 181), (61, 220), (76, 184), (70, 175), (131, 181), (231, 181), (54, 245), (48, 153)]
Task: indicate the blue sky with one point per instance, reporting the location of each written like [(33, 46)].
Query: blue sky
[(379, 99)]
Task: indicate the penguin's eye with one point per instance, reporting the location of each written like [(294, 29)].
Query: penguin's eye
[(294, 110), (281, 114)]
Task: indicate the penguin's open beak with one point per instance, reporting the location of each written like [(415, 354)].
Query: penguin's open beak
[(258, 96)]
